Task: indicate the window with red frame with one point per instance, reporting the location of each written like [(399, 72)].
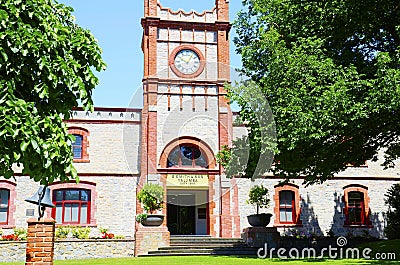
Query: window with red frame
[(77, 146), (4, 205), (355, 208), (286, 207), (187, 156), (72, 206)]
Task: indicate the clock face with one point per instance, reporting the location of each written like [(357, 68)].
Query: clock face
[(187, 61)]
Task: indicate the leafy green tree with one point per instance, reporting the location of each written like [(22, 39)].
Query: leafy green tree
[(46, 63), (330, 72), (393, 214)]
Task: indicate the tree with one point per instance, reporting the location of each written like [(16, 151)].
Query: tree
[(330, 72), (46, 63), (393, 214)]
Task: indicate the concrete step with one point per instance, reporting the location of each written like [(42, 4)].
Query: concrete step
[(209, 246), (196, 240), (194, 252), (204, 245)]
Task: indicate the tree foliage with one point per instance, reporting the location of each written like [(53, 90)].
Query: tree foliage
[(46, 63), (330, 72), (392, 199), (151, 196), (259, 197)]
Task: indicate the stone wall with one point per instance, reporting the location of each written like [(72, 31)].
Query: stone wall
[(73, 249), (113, 198), (322, 206)]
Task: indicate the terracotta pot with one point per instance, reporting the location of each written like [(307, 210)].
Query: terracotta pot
[(153, 220), (259, 220)]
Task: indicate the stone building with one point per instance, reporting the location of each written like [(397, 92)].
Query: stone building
[(173, 141)]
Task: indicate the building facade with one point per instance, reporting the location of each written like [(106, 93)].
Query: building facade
[(173, 141)]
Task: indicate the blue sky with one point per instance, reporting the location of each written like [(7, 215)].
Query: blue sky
[(116, 25)]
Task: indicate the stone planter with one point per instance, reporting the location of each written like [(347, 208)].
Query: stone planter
[(153, 220), (259, 220)]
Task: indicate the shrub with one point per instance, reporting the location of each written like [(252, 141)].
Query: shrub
[(141, 217), (258, 196), (20, 233), (393, 214), (62, 231), (151, 196), (80, 232)]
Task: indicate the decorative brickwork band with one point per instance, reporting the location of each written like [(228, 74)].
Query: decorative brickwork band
[(40, 241)]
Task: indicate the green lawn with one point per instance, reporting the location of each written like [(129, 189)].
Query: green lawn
[(386, 246), (201, 260)]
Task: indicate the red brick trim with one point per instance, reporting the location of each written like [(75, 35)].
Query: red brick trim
[(85, 143), (364, 190), (288, 187), (186, 47), (81, 185), (8, 185), (204, 148)]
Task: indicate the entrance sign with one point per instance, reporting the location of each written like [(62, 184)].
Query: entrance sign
[(187, 180)]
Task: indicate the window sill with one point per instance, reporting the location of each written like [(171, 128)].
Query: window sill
[(76, 160), (77, 225), (7, 226)]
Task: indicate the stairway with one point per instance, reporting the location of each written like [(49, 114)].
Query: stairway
[(204, 245)]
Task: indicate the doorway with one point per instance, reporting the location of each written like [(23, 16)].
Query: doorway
[(187, 212)]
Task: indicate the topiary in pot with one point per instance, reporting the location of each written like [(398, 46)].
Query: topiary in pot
[(151, 196), (259, 197)]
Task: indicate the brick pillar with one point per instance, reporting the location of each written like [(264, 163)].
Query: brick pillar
[(40, 241)]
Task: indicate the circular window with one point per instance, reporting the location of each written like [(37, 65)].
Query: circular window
[(187, 156)]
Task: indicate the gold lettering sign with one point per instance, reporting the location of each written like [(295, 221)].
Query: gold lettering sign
[(186, 180)]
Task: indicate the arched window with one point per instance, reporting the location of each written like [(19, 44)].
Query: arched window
[(80, 145), (72, 206), (287, 205), (287, 210), (75, 203), (356, 205), (4, 206), (187, 156), (77, 146), (7, 203), (355, 208)]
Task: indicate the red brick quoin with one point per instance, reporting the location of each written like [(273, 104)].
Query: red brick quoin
[(40, 241)]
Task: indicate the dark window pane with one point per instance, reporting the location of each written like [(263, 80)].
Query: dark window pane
[(201, 162), (71, 195), (173, 158), (285, 198), (77, 146), (187, 152), (59, 195), (186, 156), (85, 195), (196, 153), (77, 152)]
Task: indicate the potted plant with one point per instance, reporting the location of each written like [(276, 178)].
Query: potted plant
[(151, 196), (258, 196)]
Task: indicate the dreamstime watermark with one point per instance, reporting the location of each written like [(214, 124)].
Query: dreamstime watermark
[(339, 252)]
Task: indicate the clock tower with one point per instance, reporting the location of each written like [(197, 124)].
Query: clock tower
[(186, 119)]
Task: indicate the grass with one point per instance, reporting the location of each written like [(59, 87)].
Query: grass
[(205, 260), (197, 260), (387, 246)]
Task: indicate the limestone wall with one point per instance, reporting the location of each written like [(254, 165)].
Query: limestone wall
[(73, 249), (113, 199), (322, 206)]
